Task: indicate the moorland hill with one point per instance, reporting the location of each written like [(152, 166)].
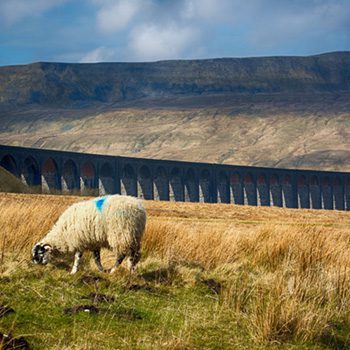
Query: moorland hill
[(59, 84), (263, 111)]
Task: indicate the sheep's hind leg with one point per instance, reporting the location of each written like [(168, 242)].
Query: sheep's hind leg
[(120, 259), (77, 259), (97, 258)]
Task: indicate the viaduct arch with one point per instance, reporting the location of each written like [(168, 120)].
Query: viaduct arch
[(49, 171)]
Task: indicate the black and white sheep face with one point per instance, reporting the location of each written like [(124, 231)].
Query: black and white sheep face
[(41, 253)]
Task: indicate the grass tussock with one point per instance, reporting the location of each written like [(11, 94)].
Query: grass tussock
[(270, 277), (283, 282)]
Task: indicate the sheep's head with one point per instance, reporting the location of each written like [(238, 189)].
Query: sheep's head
[(41, 253)]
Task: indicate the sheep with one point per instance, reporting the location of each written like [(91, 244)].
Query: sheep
[(114, 222)]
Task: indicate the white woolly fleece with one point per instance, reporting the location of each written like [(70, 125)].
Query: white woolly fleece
[(117, 225)]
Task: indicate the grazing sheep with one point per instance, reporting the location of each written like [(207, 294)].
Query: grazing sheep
[(113, 222)]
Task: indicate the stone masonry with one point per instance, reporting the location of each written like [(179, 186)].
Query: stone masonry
[(49, 171)]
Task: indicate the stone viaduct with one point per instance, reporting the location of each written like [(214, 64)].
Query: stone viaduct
[(50, 171)]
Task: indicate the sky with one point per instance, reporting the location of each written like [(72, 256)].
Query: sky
[(152, 30)]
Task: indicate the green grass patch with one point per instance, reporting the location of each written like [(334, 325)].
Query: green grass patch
[(162, 306)]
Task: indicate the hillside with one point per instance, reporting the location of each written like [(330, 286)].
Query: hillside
[(58, 84), (270, 111), (312, 134), (9, 183)]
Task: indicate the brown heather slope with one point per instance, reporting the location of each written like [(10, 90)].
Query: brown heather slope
[(298, 131), (265, 111)]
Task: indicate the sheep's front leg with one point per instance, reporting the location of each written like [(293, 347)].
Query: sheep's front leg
[(97, 258), (120, 259), (77, 259)]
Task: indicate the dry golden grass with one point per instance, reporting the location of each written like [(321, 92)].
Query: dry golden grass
[(285, 272)]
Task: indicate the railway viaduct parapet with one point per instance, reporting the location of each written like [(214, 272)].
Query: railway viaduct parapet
[(50, 171)]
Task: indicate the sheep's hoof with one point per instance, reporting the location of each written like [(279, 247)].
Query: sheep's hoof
[(131, 270)]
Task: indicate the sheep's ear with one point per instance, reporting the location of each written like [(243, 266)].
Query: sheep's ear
[(48, 247)]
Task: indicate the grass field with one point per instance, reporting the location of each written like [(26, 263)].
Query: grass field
[(212, 276)]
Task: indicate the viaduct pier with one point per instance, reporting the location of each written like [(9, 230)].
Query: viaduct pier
[(50, 171)]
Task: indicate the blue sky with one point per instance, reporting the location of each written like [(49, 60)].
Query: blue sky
[(149, 30)]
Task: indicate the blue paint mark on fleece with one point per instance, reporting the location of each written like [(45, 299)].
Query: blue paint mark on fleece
[(99, 202)]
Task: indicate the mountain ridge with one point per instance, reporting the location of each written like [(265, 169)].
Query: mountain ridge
[(79, 84)]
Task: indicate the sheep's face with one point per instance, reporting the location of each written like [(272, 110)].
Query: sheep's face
[(41, 253)]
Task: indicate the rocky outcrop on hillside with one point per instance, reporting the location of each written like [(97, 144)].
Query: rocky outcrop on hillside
[(62, 84)]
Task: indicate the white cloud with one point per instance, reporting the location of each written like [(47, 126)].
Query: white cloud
[(106, 30), (299, 22), (116, 15), (150, 42), (12, 11), (332, 15), (168, 29), (100, 54), (209, 10)]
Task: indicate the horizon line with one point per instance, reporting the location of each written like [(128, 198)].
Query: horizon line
[(180, 59)]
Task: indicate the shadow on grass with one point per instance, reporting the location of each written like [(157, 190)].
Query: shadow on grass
[(97, 298), (134, 287), (92, 279), (129, 314), (336, 341), (9, 342), (162, 275)]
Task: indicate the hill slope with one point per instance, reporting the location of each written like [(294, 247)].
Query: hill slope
[(312, 134), (271, 111), (61, 84), (9, 183)]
